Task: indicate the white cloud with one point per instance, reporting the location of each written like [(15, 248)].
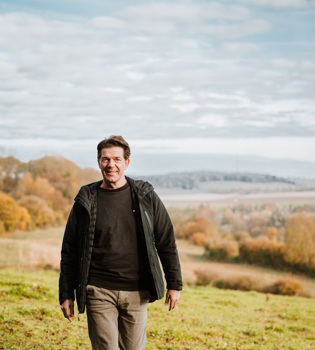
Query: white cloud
[(261, 123), (176, 69), (188, 12), (135, 75), (217, 121), (108, 23), (271, 147), (235, 31), (139, 98), (185, 107), (240, 48), (220, 20), (281, 3)]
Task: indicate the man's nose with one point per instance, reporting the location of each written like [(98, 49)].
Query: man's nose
[(111, 163)]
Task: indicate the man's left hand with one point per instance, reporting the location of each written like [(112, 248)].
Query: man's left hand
[(172, 298)]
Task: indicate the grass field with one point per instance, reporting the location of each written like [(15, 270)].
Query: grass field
[(206, 318)]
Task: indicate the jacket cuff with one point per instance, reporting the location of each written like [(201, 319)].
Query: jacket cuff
[(63, 296), (174, 286)]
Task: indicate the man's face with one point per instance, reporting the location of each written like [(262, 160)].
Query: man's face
[(113, 166)]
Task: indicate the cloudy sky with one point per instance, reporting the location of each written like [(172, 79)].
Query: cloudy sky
[(180, 80)]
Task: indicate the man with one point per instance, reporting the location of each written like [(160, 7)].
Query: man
[(117, 233)]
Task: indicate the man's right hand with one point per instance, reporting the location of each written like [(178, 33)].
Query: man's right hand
[(67, 308)]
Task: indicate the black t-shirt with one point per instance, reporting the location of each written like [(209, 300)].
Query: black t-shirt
[(117, 261)]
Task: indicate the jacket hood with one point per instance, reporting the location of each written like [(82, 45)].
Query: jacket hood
[(140, 187)]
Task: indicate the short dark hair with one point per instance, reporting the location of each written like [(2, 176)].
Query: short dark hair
[(114, 141)]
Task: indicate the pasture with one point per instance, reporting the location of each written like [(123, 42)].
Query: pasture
[(206, 318)]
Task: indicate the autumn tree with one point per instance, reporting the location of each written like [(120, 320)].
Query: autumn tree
[(231, 220), (42, 188), (12, 215), (258, 221), (10, 172), (300, 239), (61, 173), (41, 214)]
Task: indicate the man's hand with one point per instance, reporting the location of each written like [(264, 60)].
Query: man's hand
[(67, 308), (171, 299)]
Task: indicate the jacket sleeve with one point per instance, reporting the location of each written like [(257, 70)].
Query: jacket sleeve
[(166, 245), (69, 259)]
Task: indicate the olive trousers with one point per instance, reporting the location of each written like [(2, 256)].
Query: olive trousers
[(117, 319)]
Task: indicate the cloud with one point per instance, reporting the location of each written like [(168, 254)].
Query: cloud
[(241, 48), (281, 3), (272, 147), (218, 121), (173, 70), (219, 20)]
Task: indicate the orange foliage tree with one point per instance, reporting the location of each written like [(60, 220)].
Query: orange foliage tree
[(41, 188), (300, 239), (41, 214), (200, 226), (12, 215)]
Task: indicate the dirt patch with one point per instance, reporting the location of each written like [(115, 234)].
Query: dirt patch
[(29, 254)]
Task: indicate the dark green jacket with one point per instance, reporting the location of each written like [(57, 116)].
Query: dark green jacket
[(155, 229)]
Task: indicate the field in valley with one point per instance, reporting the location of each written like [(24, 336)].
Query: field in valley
[(214, 199)]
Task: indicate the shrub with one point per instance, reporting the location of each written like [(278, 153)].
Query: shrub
[(199, 239), (240, 282), (300, 239), (194, 225), (262, 251), (283, 286), (244, 283), (271, 233), (204, 278), (222, 250), (287, 286), (241, 236)]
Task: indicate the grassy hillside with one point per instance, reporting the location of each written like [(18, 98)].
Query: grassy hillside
[(206, 318)]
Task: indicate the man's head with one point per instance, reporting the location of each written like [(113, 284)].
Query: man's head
[(113, 156), (114, 141)]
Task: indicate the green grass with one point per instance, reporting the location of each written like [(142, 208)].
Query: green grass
[(206, 318)]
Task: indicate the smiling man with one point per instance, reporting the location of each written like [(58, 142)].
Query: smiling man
[(117, 234)]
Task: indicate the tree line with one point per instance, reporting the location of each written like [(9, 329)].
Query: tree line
[(200, 180), (38, 193)]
